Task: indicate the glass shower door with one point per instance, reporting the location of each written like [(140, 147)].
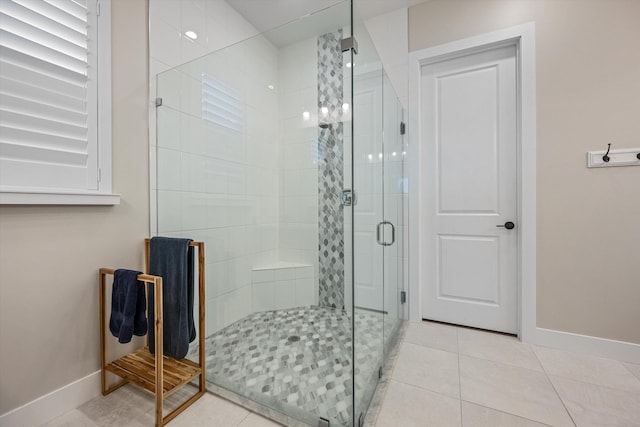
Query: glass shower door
[(394, 186), (368, 230), (378, 181)]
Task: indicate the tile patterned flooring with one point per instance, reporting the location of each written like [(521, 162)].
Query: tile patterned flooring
[(443, 376), (297, 359)]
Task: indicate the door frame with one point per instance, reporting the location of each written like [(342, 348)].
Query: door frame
[(523, 38)]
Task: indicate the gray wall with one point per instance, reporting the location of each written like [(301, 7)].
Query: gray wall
[(588, 95), (49, 256)]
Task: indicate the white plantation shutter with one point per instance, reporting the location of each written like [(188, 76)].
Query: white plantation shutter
[(49, 96)]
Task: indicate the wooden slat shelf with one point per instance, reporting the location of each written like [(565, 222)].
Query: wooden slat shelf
[(139, 368), (145, 369)]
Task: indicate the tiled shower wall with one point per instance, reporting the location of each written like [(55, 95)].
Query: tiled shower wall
[(243, 178), (253, 199), (299, 168), (331, 170), (220, 166)]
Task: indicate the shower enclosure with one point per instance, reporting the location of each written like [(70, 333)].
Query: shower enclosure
[(284, 153)]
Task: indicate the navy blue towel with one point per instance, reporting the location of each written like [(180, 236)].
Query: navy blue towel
[(127, 306), (172, 259)]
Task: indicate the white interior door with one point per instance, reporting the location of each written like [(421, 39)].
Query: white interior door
[(469, 122)]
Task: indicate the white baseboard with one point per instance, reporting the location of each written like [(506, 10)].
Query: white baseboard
[(53, 404), (584, 344)]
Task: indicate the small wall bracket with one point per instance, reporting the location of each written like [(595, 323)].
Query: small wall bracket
[(347, 197), (158, 102), (349, 43)]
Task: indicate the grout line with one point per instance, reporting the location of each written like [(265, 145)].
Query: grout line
[(508, 413), (503, 363), (553, 386), (624, 364), (459, 376), (245, 417), (582, 381), (430, 348)]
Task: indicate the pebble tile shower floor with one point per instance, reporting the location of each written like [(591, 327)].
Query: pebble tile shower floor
[(297, 359)]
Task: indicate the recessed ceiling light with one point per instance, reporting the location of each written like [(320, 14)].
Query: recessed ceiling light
[(191, 34), (271, 87)]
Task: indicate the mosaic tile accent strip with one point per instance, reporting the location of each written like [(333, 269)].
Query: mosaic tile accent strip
[(330, 171), (298, 361)]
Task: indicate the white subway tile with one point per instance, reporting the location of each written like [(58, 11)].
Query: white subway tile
[(215, 176), (168, 128), (215, 315), (237, 178), (165, 43), (239, 272), (304, 272), (168, 88), (170, 166), (217, 275), (217, 211), (194, 211), (305, 292), (285, 294), (191, 99), (237, 210), (192, 135), (169, 211), (259, 276), (263, 297), (166, 10), (285, 273), (217, 244), (238, 244), (193, 173), (193, 17)]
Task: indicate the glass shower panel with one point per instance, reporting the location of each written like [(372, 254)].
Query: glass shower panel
[(368, 262), (394, 188), (253, 151)]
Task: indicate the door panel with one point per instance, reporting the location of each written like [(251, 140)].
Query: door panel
[(479, 255), (469, 114), (468, 172)]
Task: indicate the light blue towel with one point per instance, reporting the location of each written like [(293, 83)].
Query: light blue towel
[(173, 260)]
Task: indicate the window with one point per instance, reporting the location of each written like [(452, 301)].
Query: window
[(221, 104), (55, 102)]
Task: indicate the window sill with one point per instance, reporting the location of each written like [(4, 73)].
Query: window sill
[(23, 198)]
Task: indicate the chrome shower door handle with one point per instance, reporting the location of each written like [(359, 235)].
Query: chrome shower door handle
[(378, 227), (378, 234)]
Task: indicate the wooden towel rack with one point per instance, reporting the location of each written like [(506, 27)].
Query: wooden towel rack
[(147, 370)]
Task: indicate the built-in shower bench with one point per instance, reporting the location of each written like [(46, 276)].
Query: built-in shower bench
[(283, 285)]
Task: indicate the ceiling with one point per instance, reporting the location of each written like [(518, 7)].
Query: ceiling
[(269, 14)]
